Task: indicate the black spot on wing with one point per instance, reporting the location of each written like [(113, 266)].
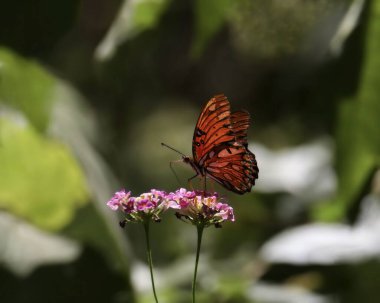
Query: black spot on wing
[(199, 132)]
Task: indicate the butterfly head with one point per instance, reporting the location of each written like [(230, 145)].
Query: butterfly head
[(190, 161), (198, 169), (185, 158)]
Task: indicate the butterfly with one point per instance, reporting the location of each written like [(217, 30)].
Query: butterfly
[(220, 147)]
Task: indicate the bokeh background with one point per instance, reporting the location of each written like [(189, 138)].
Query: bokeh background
[(89, 90)]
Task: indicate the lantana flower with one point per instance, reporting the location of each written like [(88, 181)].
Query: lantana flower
[(201, 208), (141, 208)]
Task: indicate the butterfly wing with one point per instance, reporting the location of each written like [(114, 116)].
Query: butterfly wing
[(213, 128), (234, 167), (220, 146), (240, 122)]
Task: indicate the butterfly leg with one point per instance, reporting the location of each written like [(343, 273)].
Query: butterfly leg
[(173, 171), (189, 181), (212, 184)]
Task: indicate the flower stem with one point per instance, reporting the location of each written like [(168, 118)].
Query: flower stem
[(200, 232), (149, 255)]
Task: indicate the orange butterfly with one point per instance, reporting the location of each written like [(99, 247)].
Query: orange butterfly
[(220, 147)]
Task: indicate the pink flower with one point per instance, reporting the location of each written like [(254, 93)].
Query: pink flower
[(139, 209), (201, 208), (118, 199), (145, 205), (158, 193), (225, 211)]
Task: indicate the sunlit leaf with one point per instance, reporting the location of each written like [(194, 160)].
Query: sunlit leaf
[(26, 86), (306, 244), (272, 29), (94, 225), (43, 247), (39, 178), (134, 17)]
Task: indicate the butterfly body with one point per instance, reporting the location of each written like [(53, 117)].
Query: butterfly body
[(220, 147)]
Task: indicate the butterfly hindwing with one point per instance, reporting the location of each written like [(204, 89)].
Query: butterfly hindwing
[(233, 167), (240, 122)]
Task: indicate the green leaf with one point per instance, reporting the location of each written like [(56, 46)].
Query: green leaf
[(25, 86), (133, 18), (39, 178), (210, 16), (147, 13), (358, 131)]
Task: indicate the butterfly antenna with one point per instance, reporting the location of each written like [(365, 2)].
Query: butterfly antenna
[(173, 149), (173, 171)]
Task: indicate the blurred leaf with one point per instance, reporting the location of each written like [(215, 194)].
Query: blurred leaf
[(209, 18), (93, 225), (39, 178), (358, 145), (272, 29), (147, 13), (135, 16), (27, 87), (232, 287), (43, 247), (90, 227)]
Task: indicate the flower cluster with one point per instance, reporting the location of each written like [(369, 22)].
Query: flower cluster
[(198, 207), (201, 208), (139, 209)]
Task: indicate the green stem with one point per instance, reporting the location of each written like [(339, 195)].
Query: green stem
[(200, 232), (149, 254)]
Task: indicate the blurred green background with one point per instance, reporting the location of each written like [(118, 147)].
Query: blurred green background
[(89, 90)]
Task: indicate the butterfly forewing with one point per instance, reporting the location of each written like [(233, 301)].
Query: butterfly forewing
[(213, 127)]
